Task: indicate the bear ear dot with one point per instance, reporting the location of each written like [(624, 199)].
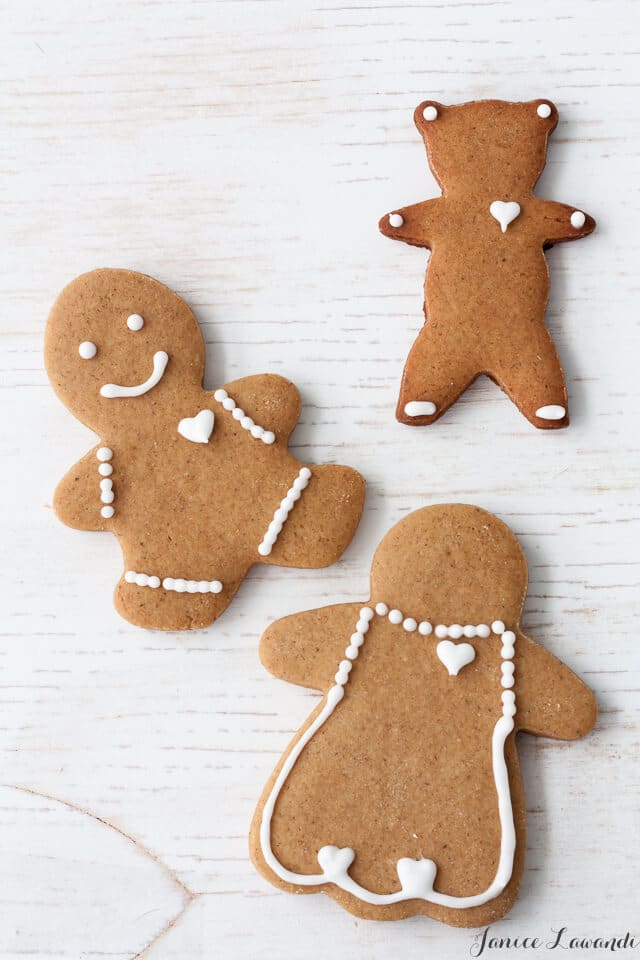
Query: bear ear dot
[(430, 112), (544, 111), (135, 322), (87, 350)]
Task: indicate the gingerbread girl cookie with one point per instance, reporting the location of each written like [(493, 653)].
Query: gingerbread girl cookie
[(401, 794), (196, 486), (487, 281)]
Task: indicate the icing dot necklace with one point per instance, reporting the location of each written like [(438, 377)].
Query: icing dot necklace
[(417, 877)]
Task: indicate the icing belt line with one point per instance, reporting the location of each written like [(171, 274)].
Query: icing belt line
[(416, 877)]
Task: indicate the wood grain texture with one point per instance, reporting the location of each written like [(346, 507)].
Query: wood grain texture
[(242, 153)]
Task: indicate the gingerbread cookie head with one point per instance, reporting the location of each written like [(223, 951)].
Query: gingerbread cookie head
[(452, 560), (118, 344), (490, 148), (401, 794)]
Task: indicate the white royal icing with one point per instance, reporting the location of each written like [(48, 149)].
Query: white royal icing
[(417, 877), (578, 219), (544, 110), (551, 412), (396, 219), (430, 113), (107, 496), (87, 350), (420, 408), (505, 212), (135, 322), (256, 431), (160, 361), (175, 584), (281, 514), (455, 656), (197, 429)]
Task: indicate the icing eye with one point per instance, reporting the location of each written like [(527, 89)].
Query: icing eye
[(87, 350), (135, 322), (544, 111)]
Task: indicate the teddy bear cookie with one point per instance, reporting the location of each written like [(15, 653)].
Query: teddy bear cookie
[(401, 794), (196, 486), (487, 281)]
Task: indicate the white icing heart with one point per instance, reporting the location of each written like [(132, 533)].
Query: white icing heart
[(416, 877), (197, 429), (335, 861), (455, 656), (505, 212)]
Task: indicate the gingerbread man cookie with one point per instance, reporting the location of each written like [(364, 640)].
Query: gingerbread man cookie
[(487, 281), (401, 794), (196, 486)]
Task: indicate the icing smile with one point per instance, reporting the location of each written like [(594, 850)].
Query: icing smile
[(160, 361)]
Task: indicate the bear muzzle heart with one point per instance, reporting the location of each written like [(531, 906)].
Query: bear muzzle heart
[(197, 429), (455, 656), (505, 212)]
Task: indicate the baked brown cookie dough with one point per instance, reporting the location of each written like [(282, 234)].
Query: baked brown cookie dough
[(196, 486), (402, 793), (487, 281)]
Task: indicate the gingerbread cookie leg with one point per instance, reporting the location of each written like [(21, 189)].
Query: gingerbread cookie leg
[(437, 371), (531, 375), (171, 603)]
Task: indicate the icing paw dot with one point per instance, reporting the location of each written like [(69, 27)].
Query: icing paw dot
[(420, 408), (396, 220), (578, 219), (552, 411)]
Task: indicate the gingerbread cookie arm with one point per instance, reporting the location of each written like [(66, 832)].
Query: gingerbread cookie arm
[(419, 224), (552, 700), (557, 222), (79, 499), (271, 402), (306, 648), (316, 519)]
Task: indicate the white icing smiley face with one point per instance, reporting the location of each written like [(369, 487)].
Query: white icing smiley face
[(88, 350)]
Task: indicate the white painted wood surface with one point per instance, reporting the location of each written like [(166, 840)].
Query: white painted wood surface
[(242, 153)]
